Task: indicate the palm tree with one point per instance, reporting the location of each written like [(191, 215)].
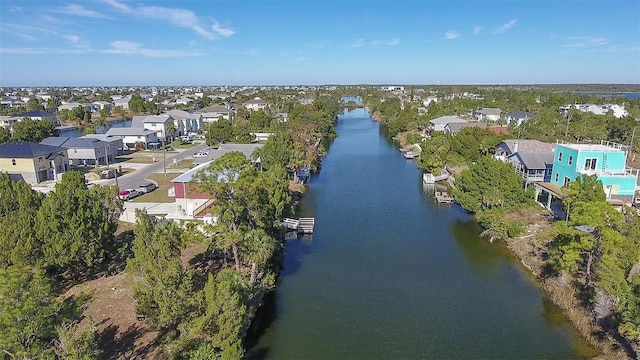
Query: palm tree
[(258, 247), (170, 129)]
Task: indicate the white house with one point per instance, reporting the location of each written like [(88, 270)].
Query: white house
[(157, 124), (121, 102), (438, 124), (255, 104), (490, 114), (134, 138), (187, 121), (518, 117)]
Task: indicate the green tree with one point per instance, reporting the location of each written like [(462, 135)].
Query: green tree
[(33, 130), (75, 343), (34, 105), (170, 129), (258, 247), (5, 134), (18, 207), (490, 183), (74, 224), (259, 121), (27, 313), (219, 132), (136, 104), (163, 288)]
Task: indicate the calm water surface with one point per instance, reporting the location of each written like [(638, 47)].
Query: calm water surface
[(389, 274)]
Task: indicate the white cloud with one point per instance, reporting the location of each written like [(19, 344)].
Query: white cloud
[(125, 47), (477, 30), (450, 35), (177, 17), (506, 26), (358, 43), (389, 42), (79, 10), (15, 9), (585, 42), (316, 44), (38, 51)]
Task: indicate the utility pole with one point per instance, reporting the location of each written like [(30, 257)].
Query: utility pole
[(164, 155)]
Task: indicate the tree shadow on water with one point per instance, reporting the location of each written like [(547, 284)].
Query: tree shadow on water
[(265, 316)]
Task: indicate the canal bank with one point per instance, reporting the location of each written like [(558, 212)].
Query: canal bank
[(390, 274)]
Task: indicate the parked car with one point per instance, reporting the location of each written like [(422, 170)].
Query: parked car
[(146, 187), (128, 194), (201, 154)]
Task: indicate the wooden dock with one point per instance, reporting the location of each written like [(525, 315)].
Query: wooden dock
[(443, 198), (301, 226)]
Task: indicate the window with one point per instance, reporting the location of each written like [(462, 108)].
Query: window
[(559, 157), (566, 181), (570, 161), (556, 180), (549, 172), (40, 159), (590, 164), (13, 162)]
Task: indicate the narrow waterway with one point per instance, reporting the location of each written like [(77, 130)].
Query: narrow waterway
[(389, 274)]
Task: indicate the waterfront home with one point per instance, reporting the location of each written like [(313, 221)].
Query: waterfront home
[(84, 151), (438, 124), (607, 160), (518, 117), (214, 113), (122, 102), (157, 123), (32, 162), (488, 114), (115, 142), (617, 110), (134, 138), (190, 201), (38, 115), (532, 159), (99, 105)]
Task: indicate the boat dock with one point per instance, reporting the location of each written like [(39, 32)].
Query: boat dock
[(443, 198), (301, 226)]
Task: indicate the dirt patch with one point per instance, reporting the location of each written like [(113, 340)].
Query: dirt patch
[(112, 307)]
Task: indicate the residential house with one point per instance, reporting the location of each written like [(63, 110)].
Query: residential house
[(99, 105), (189, 122), (454, 128), (135, 138), (607, 160), (281, 117), (617, 110), (488, 114), (115, 142), (157, 123), (121, 102), (255, 104), (518, 117), (72, 105), (429, 99), (32, 162), (8, 122), (84, 151), (214, 113), (438, 124), (38, 115), (190, 201), (532, 159)]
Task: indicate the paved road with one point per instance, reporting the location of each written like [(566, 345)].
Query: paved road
[(136, 177)]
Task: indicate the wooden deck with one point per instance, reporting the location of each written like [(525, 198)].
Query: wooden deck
[(443, 198), (301, 226)]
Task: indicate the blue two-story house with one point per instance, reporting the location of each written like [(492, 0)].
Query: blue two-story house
[(607, 160)]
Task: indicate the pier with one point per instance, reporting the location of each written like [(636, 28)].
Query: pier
[(301, 226)]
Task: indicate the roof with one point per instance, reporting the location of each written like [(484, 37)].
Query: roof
[(520, 115), (138, 121), (525, 145), (66, 142), (489, 111), (27, 150), (443, 120), (103, 137), (455, 127), (130, 131), (535, 160), (246, 149), (36, 113), (215, 108), (181, 114), (254, 101)]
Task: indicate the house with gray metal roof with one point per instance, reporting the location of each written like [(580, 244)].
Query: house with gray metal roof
[(519, 117), (157, 123), (532, 159), (134, 138), (32, 162), (438, 124), (84, 151)]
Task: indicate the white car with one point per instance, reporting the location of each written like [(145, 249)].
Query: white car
[(128, 194), (201, 154)]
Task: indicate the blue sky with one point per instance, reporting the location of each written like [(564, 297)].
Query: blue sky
[(277, 42)]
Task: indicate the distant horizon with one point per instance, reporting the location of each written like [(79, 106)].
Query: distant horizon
[(141, 42), (330, 84)]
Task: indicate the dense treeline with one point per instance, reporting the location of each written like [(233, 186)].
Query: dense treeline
[(46, 241)]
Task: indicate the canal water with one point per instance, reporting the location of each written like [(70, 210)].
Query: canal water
[(390, 274)]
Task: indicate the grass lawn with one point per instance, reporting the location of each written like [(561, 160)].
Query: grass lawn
[(180, 145), (161, 193)]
